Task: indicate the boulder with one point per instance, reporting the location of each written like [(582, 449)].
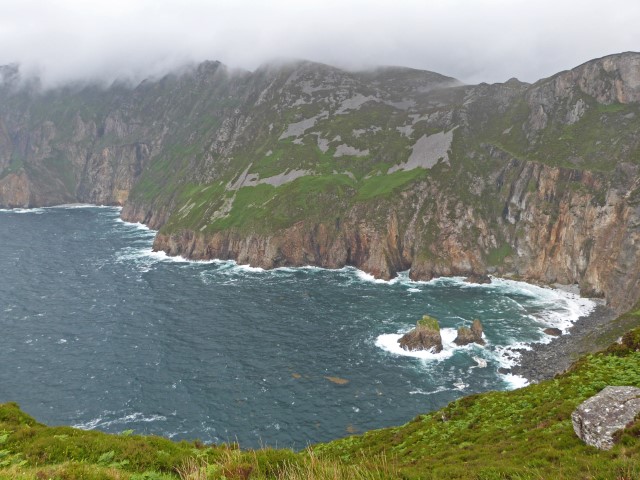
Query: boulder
[(426, 336), (599, 417), (470, 335), (478, 278), (555, 332)]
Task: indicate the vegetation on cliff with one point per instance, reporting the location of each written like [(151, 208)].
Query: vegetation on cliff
[(521, 434)]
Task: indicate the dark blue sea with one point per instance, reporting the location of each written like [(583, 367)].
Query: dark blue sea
[(99, 332)]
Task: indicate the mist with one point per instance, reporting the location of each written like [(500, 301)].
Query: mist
[(481, 41)]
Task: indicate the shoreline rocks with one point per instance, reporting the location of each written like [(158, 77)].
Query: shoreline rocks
[(478, 278), (544, 360), (554, 332), (425, 336)]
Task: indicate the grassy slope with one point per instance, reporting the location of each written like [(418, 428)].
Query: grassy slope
[(522, 434)]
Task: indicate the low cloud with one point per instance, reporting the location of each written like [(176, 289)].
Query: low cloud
[(483, 40)]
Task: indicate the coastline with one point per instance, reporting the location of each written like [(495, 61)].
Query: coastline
[(588, 334), (541, 361)]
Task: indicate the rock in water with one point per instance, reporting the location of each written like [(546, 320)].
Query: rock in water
[(598, 418), (470, 335), (476, 328), (426, 336), (555, 332), (478, 278)]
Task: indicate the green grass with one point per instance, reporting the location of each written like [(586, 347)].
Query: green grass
[(429, 322), (496, 256), (17, 163), (603, 136), (62, 168), (264, 208), (385, 185)]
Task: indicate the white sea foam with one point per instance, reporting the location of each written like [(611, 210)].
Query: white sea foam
[(554, 307), (367, 277), (137, 225), (136, 417), (70, 206), (558, 307), (419, 391), (460, 385), (515, 381), (249, 268), (67, 206), (36, 211), (482, 363), (303, 268)]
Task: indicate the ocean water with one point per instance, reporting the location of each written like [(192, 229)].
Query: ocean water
[(99, 332)]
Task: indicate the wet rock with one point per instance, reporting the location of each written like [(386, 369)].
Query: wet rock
[(555, 332), (478, 278), (470, 335), (598, 418), (504, 371), (426, 336), (476, 328)]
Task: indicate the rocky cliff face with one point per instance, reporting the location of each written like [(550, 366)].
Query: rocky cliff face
[(386, 170)]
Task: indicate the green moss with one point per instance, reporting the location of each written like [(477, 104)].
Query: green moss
[(16, 164), (429, 322), (265, 208), (385, 185), (497, 255)]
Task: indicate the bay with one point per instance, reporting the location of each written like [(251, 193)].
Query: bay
[(98, 331)]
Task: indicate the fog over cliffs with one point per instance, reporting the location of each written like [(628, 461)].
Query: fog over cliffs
[(485, 40)]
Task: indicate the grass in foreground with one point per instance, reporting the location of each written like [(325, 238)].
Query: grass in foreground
[(522, 434)]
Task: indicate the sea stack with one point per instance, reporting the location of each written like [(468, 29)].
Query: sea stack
[(426, 336), (470, 335)]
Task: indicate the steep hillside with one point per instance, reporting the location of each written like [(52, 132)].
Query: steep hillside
[(386, 170)]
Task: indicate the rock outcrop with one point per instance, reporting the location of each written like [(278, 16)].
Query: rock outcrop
[(598, 418), (468, 335), (426, 336)]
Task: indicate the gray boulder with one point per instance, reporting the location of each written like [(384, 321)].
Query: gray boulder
[(599, 417)]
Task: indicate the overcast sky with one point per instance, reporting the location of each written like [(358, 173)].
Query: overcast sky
[(472, 40)]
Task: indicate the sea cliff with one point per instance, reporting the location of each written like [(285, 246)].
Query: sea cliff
[(386, 170)]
